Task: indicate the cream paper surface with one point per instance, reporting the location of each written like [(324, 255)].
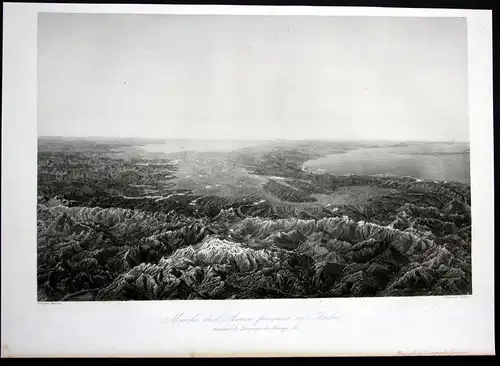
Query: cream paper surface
[(309, 327)]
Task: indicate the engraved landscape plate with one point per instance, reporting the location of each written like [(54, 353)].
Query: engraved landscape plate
[(252, 157)]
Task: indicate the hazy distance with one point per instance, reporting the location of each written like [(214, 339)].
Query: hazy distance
[(252, 77)]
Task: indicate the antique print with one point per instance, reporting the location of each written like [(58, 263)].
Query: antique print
[(199, 157)]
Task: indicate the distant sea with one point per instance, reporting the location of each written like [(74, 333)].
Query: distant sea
[(173, 146), (435, 161), (446, 162)]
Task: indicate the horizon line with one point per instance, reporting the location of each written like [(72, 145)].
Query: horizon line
[(239, 139)]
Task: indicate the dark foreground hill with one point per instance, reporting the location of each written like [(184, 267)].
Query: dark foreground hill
[(130, 228)]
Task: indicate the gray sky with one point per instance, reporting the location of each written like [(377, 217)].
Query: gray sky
[(251, 77)]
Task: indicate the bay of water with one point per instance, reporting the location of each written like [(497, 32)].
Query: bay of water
[(449, 162), (173, 146)]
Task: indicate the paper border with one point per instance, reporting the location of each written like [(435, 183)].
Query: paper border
[(375, 326)]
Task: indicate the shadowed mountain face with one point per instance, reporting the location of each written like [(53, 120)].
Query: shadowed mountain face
[(116, 222)]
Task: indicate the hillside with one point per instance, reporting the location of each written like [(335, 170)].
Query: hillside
[(117, 223)]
